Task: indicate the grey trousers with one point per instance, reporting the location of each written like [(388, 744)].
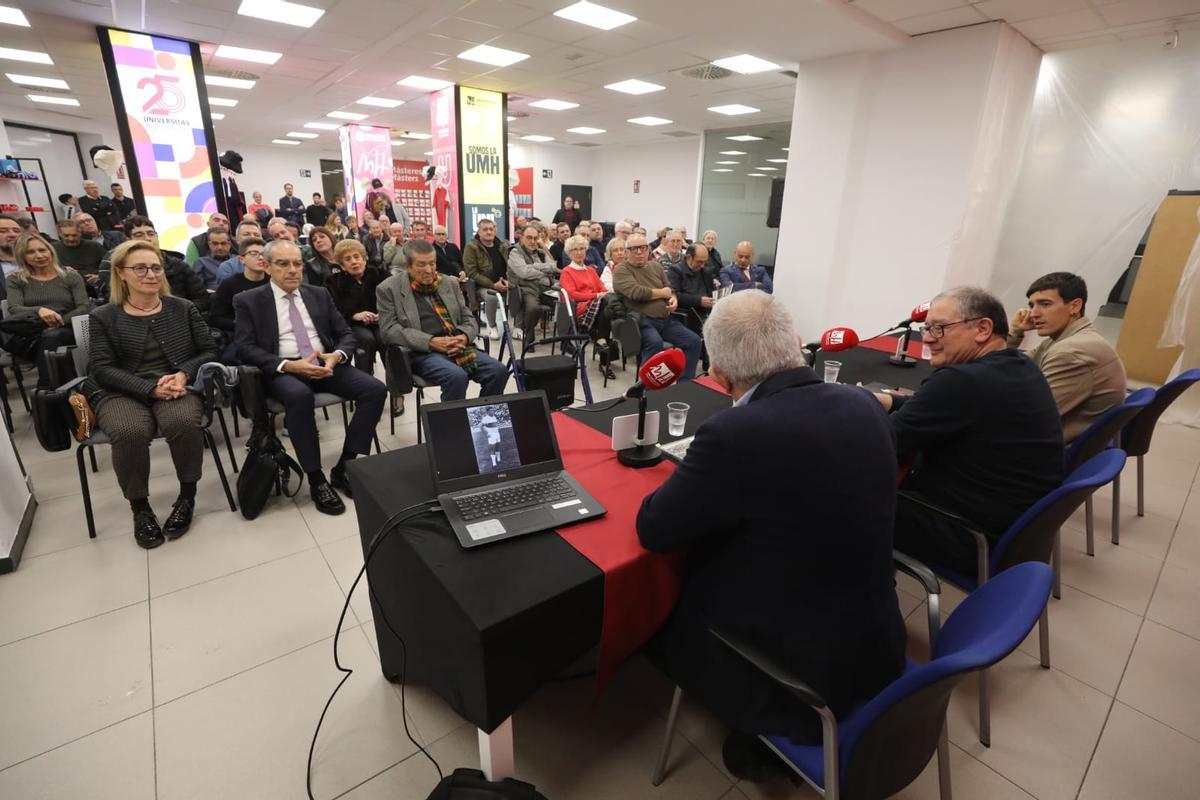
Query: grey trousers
[(131, 424)]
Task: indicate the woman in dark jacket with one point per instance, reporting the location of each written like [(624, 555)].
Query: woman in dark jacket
[(145, 348), (319, 261)]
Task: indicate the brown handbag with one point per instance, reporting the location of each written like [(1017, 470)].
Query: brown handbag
[(85, 418)]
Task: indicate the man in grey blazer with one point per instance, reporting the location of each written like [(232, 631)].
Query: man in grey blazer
[(423, 311)]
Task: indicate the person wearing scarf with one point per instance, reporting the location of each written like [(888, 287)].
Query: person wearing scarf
[(585, 289)]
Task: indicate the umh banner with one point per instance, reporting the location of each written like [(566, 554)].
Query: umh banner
[(443, 188), (370, 158), (157, 85), (483, 157)]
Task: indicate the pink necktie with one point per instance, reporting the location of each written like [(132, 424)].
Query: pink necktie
[(301, 333)]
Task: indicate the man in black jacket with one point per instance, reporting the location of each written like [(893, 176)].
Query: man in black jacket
[(102, 208), (693, 282), (984, 427), (449, 256), (810, 583), (291, 208), (318, 213)]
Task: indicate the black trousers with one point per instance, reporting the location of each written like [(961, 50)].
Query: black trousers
[(931, 538), (369, 342)]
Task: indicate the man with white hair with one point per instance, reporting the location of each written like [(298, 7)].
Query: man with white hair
[(622, 230), (102, 208), (643, 285), (764, 569)]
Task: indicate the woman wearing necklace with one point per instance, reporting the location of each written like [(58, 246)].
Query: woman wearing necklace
[(42, 299), (145, 349)]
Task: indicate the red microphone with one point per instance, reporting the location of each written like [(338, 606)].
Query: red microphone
[(837, 339), (658, 372), (919, 313)]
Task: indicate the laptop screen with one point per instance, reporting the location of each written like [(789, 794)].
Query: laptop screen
[(490, 439)]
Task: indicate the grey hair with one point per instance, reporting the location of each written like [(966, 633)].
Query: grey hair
[(575, 241), (414, 248), (616, 241), (972, 302), (623, 226), (750, 336), (275, 244)]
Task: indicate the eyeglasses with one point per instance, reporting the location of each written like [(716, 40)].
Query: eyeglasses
[(938, 329), (637, 247), (252, 254), (142, 269)]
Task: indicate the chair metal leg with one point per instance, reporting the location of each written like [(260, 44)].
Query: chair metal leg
[(92, 456), (375, 439), (935, 620), (345, 417), (985, 713), (21, 386), (391, 414), (672, 717), (1089, 526), (225, 435), (216, 454), (1116, 512), (325, 411), (1141, 485), (87, 495), (1044, 636), (8, 423), (237, 434), (943, 756), (420, 394), (1056, 558)]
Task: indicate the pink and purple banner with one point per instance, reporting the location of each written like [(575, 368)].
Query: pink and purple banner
[(444, 187), (366, 155)]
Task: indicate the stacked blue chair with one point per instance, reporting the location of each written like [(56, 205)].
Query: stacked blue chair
[(1135, 439)]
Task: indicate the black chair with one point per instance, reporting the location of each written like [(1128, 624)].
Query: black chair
[(1135, 438)]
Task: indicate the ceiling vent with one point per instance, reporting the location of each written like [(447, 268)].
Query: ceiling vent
[(573, 56), (517, 114), (236, 74), (678, 134), (586, 144), (706, 72)]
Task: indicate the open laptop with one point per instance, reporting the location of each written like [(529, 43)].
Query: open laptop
[(497, 469)]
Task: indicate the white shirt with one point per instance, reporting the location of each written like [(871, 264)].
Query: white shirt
[(8, 266), (287, 337), (745, 399)]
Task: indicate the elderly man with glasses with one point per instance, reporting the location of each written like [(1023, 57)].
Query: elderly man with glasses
[(643, 284)]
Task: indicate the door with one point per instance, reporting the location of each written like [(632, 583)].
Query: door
[(582, 196)]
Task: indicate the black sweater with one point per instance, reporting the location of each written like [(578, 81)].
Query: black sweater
[(221, 314)]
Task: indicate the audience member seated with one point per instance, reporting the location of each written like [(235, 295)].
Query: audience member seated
[(596, 239), (558, 248), (42, 299), (424, 312), (743, 274), (353, 290), (811, 584), (374, 242), (672, 250), (297, 337), (643, 285), (589, 296), (393, 251), (29, 225), (983, 427), (77, 254), (320, 263), (714, 256), (233, 265), (614, 254), (253, 275), (660, 234), (181, 278), (89, 231), (145, 348), (198, 244), (278, 228), (208, 267), (1085, 373), (533, 272), (261, 211), (10, 231), (449, 256), (693, 282), (485, 260)]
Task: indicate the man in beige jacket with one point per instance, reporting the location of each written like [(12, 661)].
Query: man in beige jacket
[(1085, 373)]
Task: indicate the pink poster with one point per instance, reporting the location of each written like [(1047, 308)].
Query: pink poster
[(370, 150), (444, 187), (412, 190)]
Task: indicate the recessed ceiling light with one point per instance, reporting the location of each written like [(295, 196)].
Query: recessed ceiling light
[(727, 162), (649, 121), (745, 137), (222, 101), (52, 100), (755, 175), (784, 149), (538, 138), (554, 105), (768, 169), (34, 80), (595, 15), (351, 115), (215, 115), (412, 135), (246, 54), (723, 170), (428, 153), (381, 102), (32, 56), (13, 16), (429, 84), (281, 11), (283, 141), (496, 56), (745, 64), (733, 109), (634, 86), (584, 129), (302, 135), (322, 126), (397, 142), (733, 152), (509, 119), (777, 160), (229, 83)]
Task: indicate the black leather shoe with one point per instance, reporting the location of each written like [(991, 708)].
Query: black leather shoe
[(326, 499), (337, 477), (146, 531), (180, 519), (398, 410)]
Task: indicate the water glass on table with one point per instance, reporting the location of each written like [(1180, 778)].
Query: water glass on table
[(832, 368), (677, 418)]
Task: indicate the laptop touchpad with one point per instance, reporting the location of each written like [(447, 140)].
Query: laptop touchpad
[(531, 518)]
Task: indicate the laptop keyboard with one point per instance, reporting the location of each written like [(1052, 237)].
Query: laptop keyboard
[(511, 498)]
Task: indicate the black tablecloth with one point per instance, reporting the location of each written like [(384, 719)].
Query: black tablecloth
[(704, 403), (862, 364)]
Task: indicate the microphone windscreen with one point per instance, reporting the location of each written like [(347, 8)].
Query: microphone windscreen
[(920, 312), (836, 339), (662, 369)]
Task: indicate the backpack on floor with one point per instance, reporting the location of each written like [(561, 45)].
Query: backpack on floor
[(267, 468), (469, 784)]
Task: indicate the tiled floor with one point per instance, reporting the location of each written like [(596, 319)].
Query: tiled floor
[(199, 669)]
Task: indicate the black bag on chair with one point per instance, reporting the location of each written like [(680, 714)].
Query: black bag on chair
[(53, 418), (469, 784)]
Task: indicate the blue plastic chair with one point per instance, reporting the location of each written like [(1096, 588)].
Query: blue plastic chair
[(884, 744), (1100, 435), (1033, 536), (1135, 439)]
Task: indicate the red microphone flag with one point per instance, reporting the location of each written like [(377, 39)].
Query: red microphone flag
[(920, 312), (836, 339), (662, 369)]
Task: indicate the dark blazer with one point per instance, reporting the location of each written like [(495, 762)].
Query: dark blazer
[(449, 258), (116, 342), (292, 209), (256, 331), (785, 506)]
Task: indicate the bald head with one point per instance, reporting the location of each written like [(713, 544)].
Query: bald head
[(743, 255)]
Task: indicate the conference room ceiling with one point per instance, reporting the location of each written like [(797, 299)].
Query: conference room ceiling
[(363, 47)]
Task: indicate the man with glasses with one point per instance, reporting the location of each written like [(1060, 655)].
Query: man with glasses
[(252, 276), (984, 428), (184, 282), (302, 344), (643, 284), (233, 265)]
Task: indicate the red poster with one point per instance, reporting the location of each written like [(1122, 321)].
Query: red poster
[(444, 187), (523, 192), (412, 191)]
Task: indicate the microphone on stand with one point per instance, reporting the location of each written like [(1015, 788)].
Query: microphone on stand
[(902, 358), (833, 340), (658, 372)]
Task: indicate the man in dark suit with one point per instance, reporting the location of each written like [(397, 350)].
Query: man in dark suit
[(291, 208), (784, 503), (296, 336)]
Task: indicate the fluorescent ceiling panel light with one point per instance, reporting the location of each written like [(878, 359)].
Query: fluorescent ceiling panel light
[(496, 56), (218, 115), (281, 11), (733, 152), (229, 83), (13, 16), (777, 160), (585, 130), (728, 162), (380, 102), (411, 135), (595, 15), (768, 169), (428, 84), (222, 101), (321, 126), (634, 86), (51, 100), (397, 142), (538, 138), (723, 170), (34, 80), (734, 109), (509, 119), (302, 135), (744, 137), (745, 64), (351, 115), (283, 141), (247, 54), (428, 153), (649, 121), (554, 105), (755, 175), (32, 56), (784, 149)]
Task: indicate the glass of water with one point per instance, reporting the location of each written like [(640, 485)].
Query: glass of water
[(832, 368), (677, 418)]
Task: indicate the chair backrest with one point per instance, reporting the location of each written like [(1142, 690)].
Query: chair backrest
[(888, 742), (1031, 536), (1135, 439), (81, 326), (1106, 427)]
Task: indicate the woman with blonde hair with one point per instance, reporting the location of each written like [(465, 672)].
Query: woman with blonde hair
[(145, 348), (614, 254), (42, 299)]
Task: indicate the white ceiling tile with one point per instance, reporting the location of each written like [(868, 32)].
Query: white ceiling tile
[(1130, 12), (940, 20), (1074, 44), (1059, 25), (500, 13), (890, 10), (1018, 10)]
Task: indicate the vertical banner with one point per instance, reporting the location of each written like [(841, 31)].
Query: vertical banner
[(370, 149), (444, 187), (523, 192), (354, 205), (412, 191), (157, 85), (484, 160)]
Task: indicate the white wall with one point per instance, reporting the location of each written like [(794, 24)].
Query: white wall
[(669, 173), (570, 165)]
